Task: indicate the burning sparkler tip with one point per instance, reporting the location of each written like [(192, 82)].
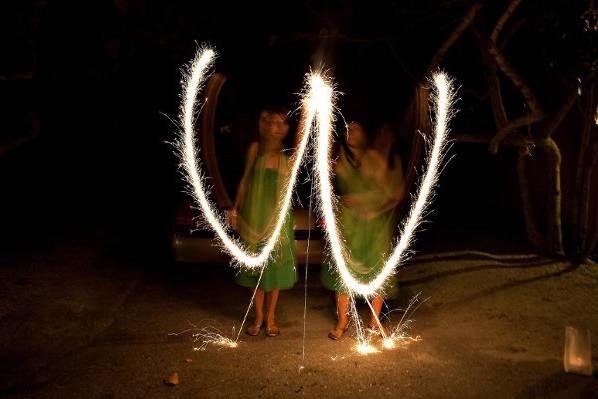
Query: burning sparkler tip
[(388, 343), (365, 348)]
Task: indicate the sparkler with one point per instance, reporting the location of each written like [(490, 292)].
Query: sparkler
[(365, 348), (192, 82), (324, 105), (206, 336), (400, 334), (318, 102)]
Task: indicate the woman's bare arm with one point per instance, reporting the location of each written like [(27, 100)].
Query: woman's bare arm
[(388, 188), (249, 160)]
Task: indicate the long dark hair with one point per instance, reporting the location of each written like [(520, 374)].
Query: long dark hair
[(366, 126), (387, 137), (276, 110)]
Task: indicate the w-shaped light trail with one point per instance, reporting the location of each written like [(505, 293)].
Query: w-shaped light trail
[(318, 118)]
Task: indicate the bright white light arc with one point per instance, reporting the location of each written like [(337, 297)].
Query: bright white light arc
[(319, 103), (192, 82), (442, 101)]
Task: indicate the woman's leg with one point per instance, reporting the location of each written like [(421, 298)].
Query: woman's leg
[(271, 301), (258, 302), (377, 303), (342, 308)]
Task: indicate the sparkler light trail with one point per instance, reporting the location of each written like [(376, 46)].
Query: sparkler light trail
[(318, 117), (319, 100), (324, 105), (206, 336), (400, 334), (192, 82)]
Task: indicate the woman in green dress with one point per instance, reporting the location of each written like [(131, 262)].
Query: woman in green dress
[(253, 216), (370, 191)]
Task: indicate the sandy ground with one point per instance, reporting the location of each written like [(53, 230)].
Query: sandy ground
[(82, 318)]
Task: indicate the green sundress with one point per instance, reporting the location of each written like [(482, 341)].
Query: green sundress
[(256, 220), (367, 240)]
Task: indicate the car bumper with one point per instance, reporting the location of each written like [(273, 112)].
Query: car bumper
[(200, 248)]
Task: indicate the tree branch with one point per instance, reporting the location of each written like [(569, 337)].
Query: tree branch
[(473, 93), (399, 61), (492, 81), (459, 29), (510, 141), (510, 127), (503, 20), (510, 71), (553, 123), (514, 28), (530, 98)]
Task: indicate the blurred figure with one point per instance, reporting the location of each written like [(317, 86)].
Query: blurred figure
[(253, 215), (366, 216), (385, 143)]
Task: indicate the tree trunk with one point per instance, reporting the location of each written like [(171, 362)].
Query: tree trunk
[(529, 216), (584, 174), (587, 246), (551, 241), (593, 241), (554, 234)]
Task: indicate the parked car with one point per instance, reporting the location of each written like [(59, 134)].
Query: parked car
[(194, 245)]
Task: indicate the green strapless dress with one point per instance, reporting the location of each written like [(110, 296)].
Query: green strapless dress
[(256, 214), (368, 241)]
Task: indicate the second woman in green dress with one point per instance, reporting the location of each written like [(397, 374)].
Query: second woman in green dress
[(369, 191)]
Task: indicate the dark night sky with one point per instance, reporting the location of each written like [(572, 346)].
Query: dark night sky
[(105, 73)]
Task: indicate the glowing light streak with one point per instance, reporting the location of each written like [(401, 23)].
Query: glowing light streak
[(323, 103), (365, 348), (318, 102), (399, 336), (377, 319), (388, 343), (192, 82), (206, 336)]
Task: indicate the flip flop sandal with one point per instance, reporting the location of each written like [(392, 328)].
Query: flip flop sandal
[(253, 330), (334, 335), (272, 331)]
